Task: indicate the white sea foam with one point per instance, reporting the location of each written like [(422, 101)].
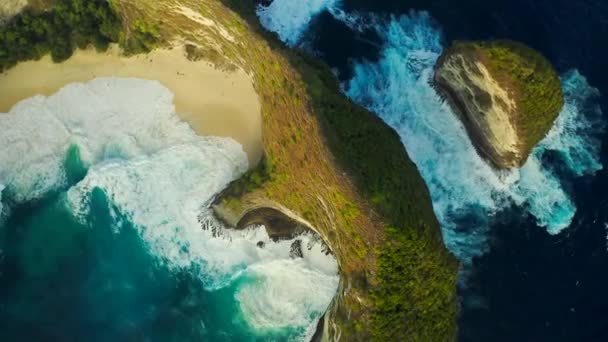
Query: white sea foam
[(290, 19), (461, 183), (282, 290), (279, 294), (466, 191), (154, 169), (107, 118), (162, 194)]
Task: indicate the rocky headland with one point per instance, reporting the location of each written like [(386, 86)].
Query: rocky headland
[(329, 165)]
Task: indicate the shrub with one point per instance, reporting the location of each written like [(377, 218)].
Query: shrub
[(67, 25)]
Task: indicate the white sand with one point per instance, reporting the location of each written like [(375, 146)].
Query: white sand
[(212, 101)]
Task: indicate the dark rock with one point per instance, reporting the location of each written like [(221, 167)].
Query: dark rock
[(296, 250)]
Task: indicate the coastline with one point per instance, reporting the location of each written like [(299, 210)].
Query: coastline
[(204, 96), (322, 163), (281, 223)]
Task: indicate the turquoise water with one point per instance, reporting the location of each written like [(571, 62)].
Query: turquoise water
[(65, 280), (105, 229), (78, 279)]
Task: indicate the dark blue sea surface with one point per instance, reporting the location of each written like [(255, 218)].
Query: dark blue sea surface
[(521, 283)]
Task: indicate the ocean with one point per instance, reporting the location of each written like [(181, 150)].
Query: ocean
[(106, 232), (104, 219), (533, 242)]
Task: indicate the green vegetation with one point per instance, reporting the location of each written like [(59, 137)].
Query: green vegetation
[(413, 292), (251, 180), (370, 150), (144, 38), (195, 54), (67, 25), (530, 77), (414, 298)]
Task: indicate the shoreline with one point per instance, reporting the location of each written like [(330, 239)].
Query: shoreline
[(281, 223), (211, 101)]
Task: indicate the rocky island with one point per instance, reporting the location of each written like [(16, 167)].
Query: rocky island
[(506, 94)]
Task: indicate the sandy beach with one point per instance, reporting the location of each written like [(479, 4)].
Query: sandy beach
[(212, 101)]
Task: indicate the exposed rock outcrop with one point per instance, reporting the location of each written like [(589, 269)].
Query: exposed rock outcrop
[(506, 94), (10, 8)]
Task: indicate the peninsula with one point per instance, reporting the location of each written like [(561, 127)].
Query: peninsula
[(315, 156)]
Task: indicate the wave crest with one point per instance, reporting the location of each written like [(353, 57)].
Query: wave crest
[(160, 176), (466, 191)]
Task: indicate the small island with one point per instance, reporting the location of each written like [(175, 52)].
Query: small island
[(506, 94)]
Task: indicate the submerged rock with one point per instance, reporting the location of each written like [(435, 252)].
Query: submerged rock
[(506, 94)]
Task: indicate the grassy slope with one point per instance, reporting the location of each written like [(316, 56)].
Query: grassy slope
[(410, 286), (531, 79), (333, 163)]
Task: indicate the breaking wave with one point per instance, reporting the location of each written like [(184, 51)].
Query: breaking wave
[(160, 177), (290, 19), (466, 192)]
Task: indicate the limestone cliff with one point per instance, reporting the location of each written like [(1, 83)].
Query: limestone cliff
[(506, 94)]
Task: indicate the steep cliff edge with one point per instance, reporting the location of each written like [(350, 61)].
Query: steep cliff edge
[(506, 94), (10, 8), (328, 161)]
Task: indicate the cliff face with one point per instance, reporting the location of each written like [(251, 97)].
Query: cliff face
[(506, 95)]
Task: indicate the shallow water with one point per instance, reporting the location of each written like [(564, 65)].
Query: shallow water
[(463, 186), (107, 235)]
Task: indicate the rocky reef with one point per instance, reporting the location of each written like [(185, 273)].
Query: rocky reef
[(506, 94)]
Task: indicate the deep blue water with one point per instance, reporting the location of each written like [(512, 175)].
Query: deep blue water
[(62, 279), (529, 285)]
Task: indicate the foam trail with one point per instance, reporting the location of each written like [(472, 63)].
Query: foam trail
[(466, 191), (290, 19), (161, 176), (462, 185), (280, 291), (162, 195), (37, 132), (576, 140)]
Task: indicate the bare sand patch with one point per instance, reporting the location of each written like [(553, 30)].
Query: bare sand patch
[(212, 101)]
